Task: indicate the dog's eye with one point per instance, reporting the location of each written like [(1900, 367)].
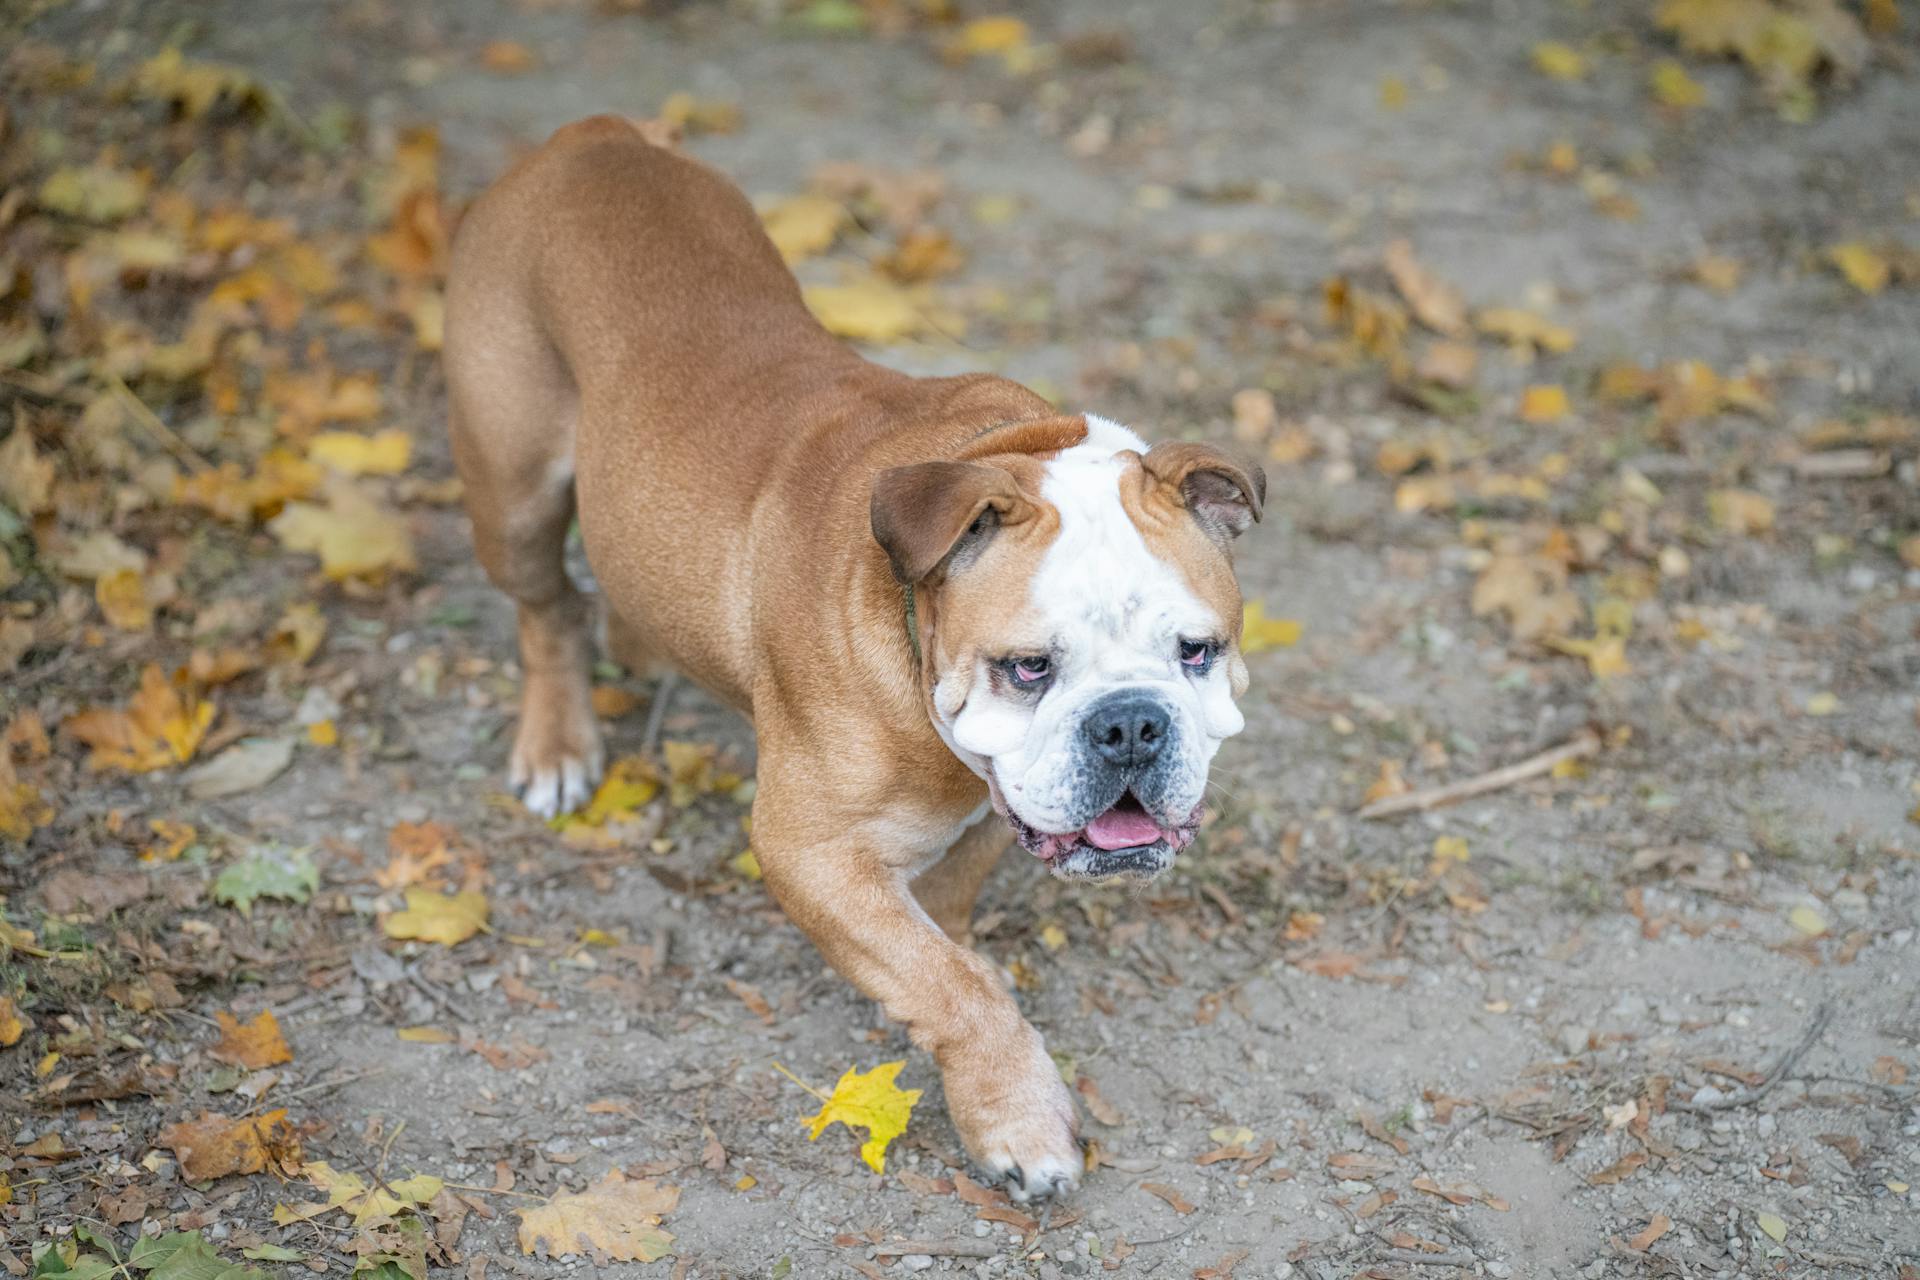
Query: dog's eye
[(1029, 671), (1197, 654)]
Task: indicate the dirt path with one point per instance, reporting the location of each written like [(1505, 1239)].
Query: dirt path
[(1515, 1037)]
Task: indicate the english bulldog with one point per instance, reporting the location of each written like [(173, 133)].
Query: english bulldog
[(953, 614)]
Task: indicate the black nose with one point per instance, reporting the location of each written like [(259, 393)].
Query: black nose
[(1127, 729)]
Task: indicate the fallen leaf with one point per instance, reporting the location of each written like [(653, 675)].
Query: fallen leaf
[(1531, 591), (507, 57), (353, 536), (1864, 268), (1740, 512), (26, 477), (1258, 632), (1435, 303), (13, 1023), (1181, 1205), (214, 1145), (415, 850), (267, 872), (1560, 61), (871, 1101), (163, 724), (1717, 272), (1773, 1224), (253, 1044), (1618, 1170), (1807, 921), (1525, 330), (246, 766), (869, 308), (1673, 87), (1659, 1226), (448, 919), (384, 453), (804, 226), (615, 1217), (96, 193), (1097, 1105), (1543, 403), (194, 88), (750, 996), (349, 1192)]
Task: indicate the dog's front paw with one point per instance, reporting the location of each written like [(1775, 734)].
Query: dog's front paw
[(557, 757), (1018, 1122)]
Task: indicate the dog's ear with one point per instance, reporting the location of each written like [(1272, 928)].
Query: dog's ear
[(1224, 491), (927, 513)]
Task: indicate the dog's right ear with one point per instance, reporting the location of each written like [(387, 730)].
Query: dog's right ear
[(931, 512)]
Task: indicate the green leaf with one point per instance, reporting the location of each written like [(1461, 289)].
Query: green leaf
[(839, 17), (267, 872), (274, 1253), (406, 1259), (69, 1263), (185, 1255)]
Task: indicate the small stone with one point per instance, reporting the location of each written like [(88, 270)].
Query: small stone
[(1766, 1125), (916, 1261), (1708, 1096), (1574, 1040), (1499, 1270), (981, 1229)]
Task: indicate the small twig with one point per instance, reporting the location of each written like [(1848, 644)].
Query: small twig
[(491, 1191), (1586, 744), (320, 1086), (802, 1083), (1417, 1258), (937, 1249), (151, 421), (1166, 1239), (438, 996), (1781, 1068)]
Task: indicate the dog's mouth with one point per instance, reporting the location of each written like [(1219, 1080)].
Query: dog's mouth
[(1124, 829)]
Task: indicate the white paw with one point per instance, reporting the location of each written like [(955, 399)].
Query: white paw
[(1051, 1174), (551, 789)]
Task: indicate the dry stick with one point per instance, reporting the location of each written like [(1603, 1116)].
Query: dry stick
[(1586, 744), (1775, 1074), (151, 421), (1140, 1244), (1430, 1259), (938, 1249)]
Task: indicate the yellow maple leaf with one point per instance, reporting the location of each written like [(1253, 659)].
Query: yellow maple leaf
[(163, 724), (385, 453), (22, 808), (1560, 61), (254, 1044), (122, 597), (616, 1216), (1606, 654), (1259, 633), (1865, 269), (629, 784), (353, 536), (872, 1101), (439, 917), (804, 225)]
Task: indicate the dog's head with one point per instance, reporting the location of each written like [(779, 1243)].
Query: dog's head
[(1080, 628)]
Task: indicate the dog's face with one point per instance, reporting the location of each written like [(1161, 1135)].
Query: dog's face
[(1081, 632)]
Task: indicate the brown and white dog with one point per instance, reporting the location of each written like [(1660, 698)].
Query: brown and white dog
[(947, 608)]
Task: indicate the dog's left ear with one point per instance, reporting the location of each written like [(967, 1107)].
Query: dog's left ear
[(1224, 491)]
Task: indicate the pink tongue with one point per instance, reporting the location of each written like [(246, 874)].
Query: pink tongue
[(1116, 830)]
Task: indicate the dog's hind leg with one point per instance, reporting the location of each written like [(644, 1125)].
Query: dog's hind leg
[(512, 414)]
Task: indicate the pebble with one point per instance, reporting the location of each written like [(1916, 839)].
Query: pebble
[(981, 1228), (1706, 1096), (916, 1261), (1499, 1270)]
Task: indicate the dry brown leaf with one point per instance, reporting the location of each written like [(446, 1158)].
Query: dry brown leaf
[(214, 1145), (1181, 1205), (1619, 1170), (1434, 303), (1660, 1225), (1530, 590), (615, 1217), (1097, 1105), (254, 1044)]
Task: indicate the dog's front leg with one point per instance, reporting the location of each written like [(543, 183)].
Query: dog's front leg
[(1003, 1091)]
